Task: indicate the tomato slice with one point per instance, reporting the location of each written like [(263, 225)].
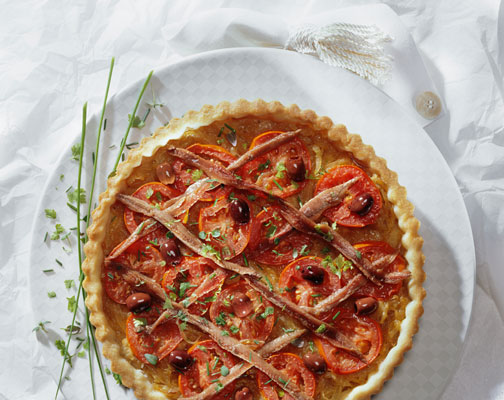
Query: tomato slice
[(268, 171), (302, 291), (252, 328), (374, 251), (209, 363), (221, 231), (159, 343), (155, 193), (188, 280), (149, 262), (294, 367), (341, 213), (266, 224), (363, 331), (186, 175)]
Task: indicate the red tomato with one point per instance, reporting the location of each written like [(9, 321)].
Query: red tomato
[(305, 292), (268, 170), (221, 231), (159, 343), (149, 262), (209, 360), (258, 322), (341, 213), (154, 193), (188, 280), (363, 331), (266, 224), (374, 251), (186, 176), (298, 374)]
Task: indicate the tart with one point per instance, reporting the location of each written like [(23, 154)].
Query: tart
[(252, 250)]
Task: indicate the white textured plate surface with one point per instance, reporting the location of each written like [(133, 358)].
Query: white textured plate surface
[(289, 78)]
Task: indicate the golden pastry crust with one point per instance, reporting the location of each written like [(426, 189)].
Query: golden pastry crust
[(113, 348)]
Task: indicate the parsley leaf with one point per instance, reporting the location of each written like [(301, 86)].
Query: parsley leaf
[(268, 311), (221, 319), (72, 304), (76, 196), (137, 122), (50, 213)]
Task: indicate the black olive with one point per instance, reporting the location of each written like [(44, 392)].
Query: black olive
[(361, 204), (180, 359), (313, 274), (366, 305), (138, 302), (242, 305), (240, 211), (295, 168), (315, 363), (170, 252), (164, 173)]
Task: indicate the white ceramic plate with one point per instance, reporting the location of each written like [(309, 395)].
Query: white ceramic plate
[(290, 78)]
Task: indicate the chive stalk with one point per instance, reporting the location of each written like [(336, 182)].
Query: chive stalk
[(125, 138), (67, 345)]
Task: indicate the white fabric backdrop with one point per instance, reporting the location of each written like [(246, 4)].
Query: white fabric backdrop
[(54, 56)]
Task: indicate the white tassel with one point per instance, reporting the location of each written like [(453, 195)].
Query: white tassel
[(358, 48)]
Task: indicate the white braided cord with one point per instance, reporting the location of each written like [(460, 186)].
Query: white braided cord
[(357, 48)]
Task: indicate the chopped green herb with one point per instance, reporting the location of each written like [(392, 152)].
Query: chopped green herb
[(224, 370), (137, 121), (196, 174), (117, 378), (72, 304), (58, 231), (41, 326), (268, 311), (51, 294), (76, 148), (50, 213), (77, 196), (321, 329), (268, 282), (336, 315), (149, 192), (264, 165), (280, 170), (278, 185), (151, 358), (69, 283), (234, 329), (221, 319)]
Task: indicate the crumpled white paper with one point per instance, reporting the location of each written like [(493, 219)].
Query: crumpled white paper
[(54, 56)]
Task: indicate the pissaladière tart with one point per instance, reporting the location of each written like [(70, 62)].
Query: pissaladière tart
[(251, 250)]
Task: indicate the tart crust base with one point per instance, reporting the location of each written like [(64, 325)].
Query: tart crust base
[(113, 348)]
